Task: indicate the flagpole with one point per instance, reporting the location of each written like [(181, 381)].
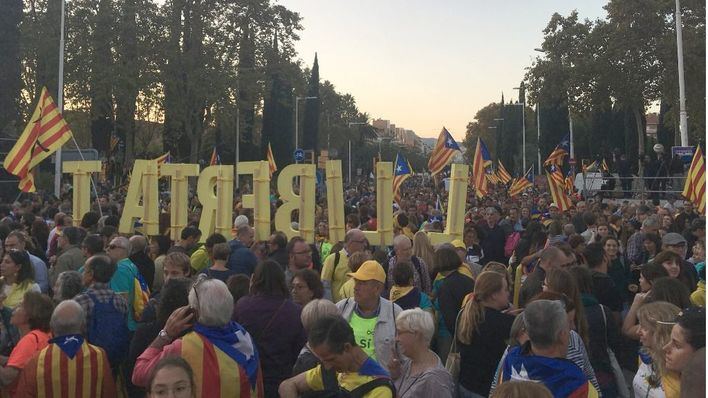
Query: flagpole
[(60, 103)]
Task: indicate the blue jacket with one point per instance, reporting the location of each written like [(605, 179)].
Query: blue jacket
[(242, 260)]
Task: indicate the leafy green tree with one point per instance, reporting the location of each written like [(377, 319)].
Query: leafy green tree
[(11, 66)]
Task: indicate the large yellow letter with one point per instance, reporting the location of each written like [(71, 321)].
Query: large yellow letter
[(217, 207), (305, 202), (143, 182), (383, 236), (179, 192), (81, 171), (259, 200), (455, 220), (335, 200)]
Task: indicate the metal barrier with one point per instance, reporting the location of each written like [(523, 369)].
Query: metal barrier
[(591, 184)]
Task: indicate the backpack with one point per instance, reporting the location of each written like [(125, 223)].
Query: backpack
[(141, 296), (510, 244), (333, 390), (108, 329)]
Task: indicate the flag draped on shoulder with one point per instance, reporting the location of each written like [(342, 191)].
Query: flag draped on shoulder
[(272, 167), (521, 184), (45, 133), (215, 158), (402, 170), (443, 152), (502, 173), (482, 161), (562, 149), (694, 188), (560, 198)]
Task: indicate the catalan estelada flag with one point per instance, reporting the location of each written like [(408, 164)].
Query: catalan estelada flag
[(562, 149), (222, 369), (402, 170), (522, 183), (443, 152), (45, 133), (570, 181), (503, 175), (166, 158), (694, 188), (69, 367), (563, 378), (215, 158), (482, 161), (272, 167), (557, 191), (557, 175)]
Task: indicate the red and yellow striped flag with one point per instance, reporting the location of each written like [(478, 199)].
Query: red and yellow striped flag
[(503, 175), (45, 133), (694, 188), (272, 167), (557, 192)]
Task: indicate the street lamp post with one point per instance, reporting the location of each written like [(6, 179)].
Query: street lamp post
[(297, 116), (522, 103), (683, 126), (538, 135), (570, 117)]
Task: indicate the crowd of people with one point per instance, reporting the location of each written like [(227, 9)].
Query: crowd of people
[(603, 300)]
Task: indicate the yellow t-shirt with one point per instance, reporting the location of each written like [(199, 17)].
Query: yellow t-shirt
[(349, 381), (364, 333), (347, 290), (336, 275), (698, 297)]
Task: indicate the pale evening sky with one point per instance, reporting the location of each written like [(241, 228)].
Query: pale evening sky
[(427, 64)]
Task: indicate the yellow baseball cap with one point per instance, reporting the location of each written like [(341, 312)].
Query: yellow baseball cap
[(458, 244), (369, 270)]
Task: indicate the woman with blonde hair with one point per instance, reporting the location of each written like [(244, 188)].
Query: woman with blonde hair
[(653, 379), (423, 249), (482, 332)]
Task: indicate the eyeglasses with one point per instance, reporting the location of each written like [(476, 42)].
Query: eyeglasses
[(113, 247), (303, 252), (201, 278)]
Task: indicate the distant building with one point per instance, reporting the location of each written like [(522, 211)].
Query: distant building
[(398, 135), (652, 125)]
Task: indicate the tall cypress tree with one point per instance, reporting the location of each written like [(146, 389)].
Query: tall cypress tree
[(247, 94), (10, 65), (312, 111), (278, 111)]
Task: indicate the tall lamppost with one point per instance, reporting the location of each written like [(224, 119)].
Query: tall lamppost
[(683, 126), (522, 104)]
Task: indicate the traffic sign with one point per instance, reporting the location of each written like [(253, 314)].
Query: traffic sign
[(299, 155)]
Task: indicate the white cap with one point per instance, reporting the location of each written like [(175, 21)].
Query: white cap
[(240, 220)]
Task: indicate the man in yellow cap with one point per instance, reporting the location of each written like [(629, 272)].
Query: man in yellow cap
[(372, 317)]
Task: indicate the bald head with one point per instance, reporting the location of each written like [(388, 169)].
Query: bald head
[(138, 243), (68, 318), (354, 241)]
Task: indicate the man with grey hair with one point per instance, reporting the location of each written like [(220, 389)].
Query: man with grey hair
[(336, 265), (403, 249), (67, 286), (542, 358), (123, 280), (67, 350), (548, 258), (242, 260), (635, 244), (215, 345)]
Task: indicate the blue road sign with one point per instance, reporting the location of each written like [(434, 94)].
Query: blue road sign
[(299, 155)]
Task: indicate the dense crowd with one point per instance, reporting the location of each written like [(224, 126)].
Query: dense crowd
[(605, 299)]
